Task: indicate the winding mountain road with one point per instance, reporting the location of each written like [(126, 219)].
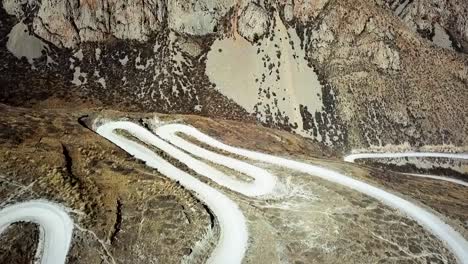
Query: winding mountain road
[(236, 225), (55, 227), (353, 157), (233, 239)]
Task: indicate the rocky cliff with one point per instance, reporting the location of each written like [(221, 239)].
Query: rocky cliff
[(349, 74), (443, 22)]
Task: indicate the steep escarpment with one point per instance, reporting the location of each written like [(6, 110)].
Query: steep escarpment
[(392, 85), (443, 22), (349, 74)]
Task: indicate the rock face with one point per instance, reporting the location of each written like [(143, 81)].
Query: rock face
[(196, 18), (443, 22), (349, 74), (68, 23), (253, 22)]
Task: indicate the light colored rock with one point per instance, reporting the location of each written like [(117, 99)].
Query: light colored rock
[(253, 22), (79, 54), (431, 17), (190, 47), (196, 17), (97, 54), (92, 19), (304, 10), (289, 11), (135, 19), (53, 25), (13, 7), (385, 57), (102, 82), (67, 23), (321, 38), (79, 78), (398, 114)]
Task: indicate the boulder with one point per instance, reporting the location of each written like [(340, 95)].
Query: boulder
[(253, 22)]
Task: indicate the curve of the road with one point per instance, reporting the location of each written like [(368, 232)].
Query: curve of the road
[(353, 157), (453, 240), (233, 228), (55, 227)]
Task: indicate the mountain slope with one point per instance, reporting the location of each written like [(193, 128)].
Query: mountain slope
[(349, 74), (125, 211)]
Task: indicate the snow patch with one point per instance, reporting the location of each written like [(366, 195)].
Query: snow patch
[(102, 82), (79, 77), (268, 77), (79, 55), (97, 54), (441, 38), (50, 60), (23, 44), (139, 66), (124, 60), (156, 47)]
